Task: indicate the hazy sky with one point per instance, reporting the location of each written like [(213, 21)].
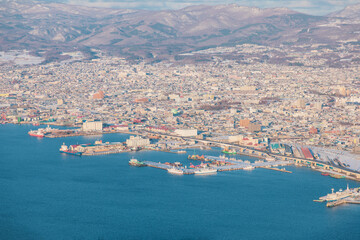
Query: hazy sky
[(315, 7)]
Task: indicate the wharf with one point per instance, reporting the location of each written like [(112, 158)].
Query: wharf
[(277, 169), (72, 133), (235, 165), (240, 164), (166, 167), (103, 152), (349, 200)]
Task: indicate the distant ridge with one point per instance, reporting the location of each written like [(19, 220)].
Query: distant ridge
[(54, 27)]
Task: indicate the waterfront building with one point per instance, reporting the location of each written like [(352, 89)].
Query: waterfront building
[(92, 126), (137, 142)]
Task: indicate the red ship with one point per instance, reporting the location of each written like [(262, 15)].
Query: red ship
[(36, 133)]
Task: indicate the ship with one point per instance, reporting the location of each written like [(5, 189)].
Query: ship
[(41, 132), (204, 171), (249, 167), (337, 176), (227, 151), (136, 163), (181, 151), (334, 196), (65, 149), (175, 171), (36, 133)]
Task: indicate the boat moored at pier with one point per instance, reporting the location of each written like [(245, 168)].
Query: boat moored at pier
[(175, 171), (204, 171), (136, 163), (65, 149)]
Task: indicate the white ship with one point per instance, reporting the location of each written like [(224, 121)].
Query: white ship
[(249, 167), (181, 151), (205, 171), (333, 196), (175, 171)]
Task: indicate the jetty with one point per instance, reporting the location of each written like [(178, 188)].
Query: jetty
[(349, 200), (228, 165)]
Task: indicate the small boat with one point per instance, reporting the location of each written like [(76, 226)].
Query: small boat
[(229, 151), (136, 163), (325, 174)]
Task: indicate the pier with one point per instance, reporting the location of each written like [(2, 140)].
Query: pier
[(349, 200), (233, 165), (277, 169)]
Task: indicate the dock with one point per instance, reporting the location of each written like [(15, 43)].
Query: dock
[(166, 167), (232, 166), (277, 169), (349, 200)]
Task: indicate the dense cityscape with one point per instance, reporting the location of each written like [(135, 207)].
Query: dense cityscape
[(252, 122), (310, 106)]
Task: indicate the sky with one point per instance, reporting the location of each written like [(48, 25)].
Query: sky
[(314, 7)]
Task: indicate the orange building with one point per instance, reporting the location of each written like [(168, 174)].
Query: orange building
[(141, 100), (98, 95), (244, 123)]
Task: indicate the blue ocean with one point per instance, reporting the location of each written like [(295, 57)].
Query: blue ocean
[(48, 195)]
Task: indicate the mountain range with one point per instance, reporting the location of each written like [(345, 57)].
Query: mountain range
[(50, 28)]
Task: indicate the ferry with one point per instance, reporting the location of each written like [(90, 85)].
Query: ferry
[(175, 171), (205, 171)]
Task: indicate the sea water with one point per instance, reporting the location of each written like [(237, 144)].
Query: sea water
[(48, 195)]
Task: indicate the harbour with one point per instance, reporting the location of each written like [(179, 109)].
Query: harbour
[(45, 188)]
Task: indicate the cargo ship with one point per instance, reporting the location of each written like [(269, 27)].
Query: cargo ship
[(136, 163), (65, 149)]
